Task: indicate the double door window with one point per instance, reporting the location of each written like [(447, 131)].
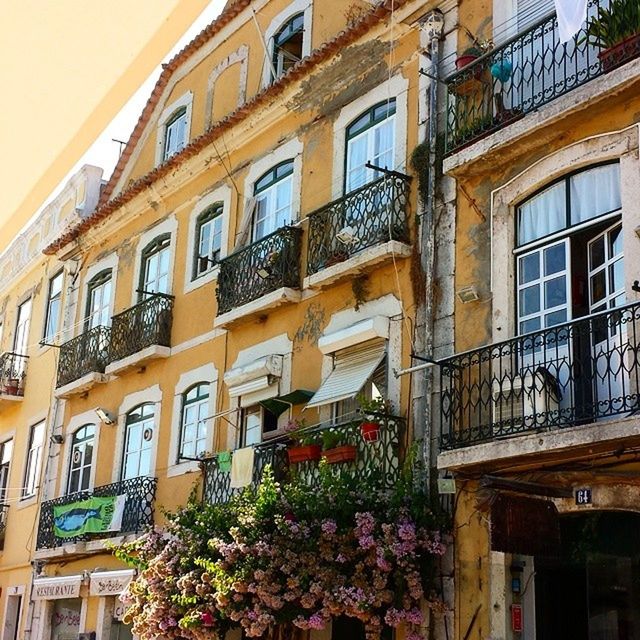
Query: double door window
[(154, 275), (81, 461), (98, 312), (273, 200), (138, 442)]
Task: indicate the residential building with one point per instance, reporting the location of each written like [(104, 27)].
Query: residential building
[(539, 396)]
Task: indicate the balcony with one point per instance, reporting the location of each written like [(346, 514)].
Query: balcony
[(82, 362), (561, 379), (375, 461), (13, 371), (363, 228), (261, 276), (525, 73), (140, 334), (138, 513)]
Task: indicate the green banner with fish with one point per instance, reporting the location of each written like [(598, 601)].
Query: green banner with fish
[(93, 515)]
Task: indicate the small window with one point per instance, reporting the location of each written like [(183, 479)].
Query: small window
[(81, 461), (374, 388), (208, 240), (54, 299), (175, 133), (138, 440), (154, 271), (6, 453), (34, 461), (256, 422), (287, 45), (98, 312), (273, 193), (194, 427)]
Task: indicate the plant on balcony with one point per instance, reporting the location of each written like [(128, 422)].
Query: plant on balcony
[(372, 409), (336, 448), (288, 555), (616, 32), (304, 448)]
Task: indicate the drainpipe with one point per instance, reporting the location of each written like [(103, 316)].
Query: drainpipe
[(432, 26)]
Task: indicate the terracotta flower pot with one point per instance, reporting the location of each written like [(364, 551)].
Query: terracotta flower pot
[(304, 453), (621, 53), (464, 60), (370, 431), (344, 453)]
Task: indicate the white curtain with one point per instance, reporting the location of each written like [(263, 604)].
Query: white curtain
[(543, 214), (595, 192), (571, 16)]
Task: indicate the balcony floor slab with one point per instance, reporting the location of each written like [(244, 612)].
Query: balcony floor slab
[(276, 298), (358, 263), (137, 359), (81, 385), (7, 399)]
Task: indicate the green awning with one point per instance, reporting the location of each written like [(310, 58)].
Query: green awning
[(280, 404)]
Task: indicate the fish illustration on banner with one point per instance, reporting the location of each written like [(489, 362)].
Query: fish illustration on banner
[(93, 515)]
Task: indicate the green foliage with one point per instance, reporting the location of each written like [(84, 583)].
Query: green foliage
[(613, 24)]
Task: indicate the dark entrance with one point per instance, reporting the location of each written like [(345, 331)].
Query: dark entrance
[(591, 591)]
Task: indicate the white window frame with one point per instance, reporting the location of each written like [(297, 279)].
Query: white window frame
[(28, 461), (8, 437), (205, 373), (108, 262), (23, 329), (140, 446), (220, 194), (185, 101), (59, 273), (92, 439), (75, 422), (269, 195)]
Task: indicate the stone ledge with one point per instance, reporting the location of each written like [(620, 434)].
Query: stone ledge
[(276, 298), (81, 385), (137, 359)]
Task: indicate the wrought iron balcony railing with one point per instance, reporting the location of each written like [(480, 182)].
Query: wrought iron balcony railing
[(366, 217), (86, 353), (375, 461), (13, 371), (525, 73), (145, 324), (572, 374), (137, 515), (260, 268)]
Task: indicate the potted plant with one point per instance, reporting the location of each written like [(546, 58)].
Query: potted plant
[(615, 30), (303, 449), (11, 386), (468, 56), (372, 410), (335, 449)]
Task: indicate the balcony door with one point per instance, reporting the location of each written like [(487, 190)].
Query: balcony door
[(154, 274), (138, 442), (98, 313), (21, 338), (81, 460), (273, 194)]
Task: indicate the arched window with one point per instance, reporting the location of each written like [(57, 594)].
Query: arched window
[(194, 425), (287, 45), (370, 138), (81, 459), (208, 239), (138, 441), (98, 311), (175, 133), (273, 193), (154, 270)]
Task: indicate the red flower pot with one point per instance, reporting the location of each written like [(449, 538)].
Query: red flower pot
[(304, 453), (620, 53), (370, 431), (464, 60), (345, 453)]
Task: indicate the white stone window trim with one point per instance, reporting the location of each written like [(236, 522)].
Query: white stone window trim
[(108, 262), (38, 418), (291, 150), (184, 101), (239, 56), (208, 374), (52, 272), (168, 225), (396, 87), (616, 145), (297, 6), (75, 423), (220, 194), (14, 591), (150, 395)]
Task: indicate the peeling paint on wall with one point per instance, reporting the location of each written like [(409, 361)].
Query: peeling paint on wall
[(311, 329)]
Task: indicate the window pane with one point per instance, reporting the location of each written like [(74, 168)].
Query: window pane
[(615, 242), (598, 287), (555, 292), (554, 318), (543, 214), (530, 300), (526, 326), (554, 259), (616, 271), (596, 253), (529, 267), (595, 192)]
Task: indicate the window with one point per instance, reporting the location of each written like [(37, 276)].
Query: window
[(370, 138), (375, 387), (208, 240), (52, 315), (34, 460), (175, 133), (98, 311), (195, 420), (154, 272), (81, 460), (273, 194), (287, 45), (21, 337), (6, 452), (257, 421), (138, 439)]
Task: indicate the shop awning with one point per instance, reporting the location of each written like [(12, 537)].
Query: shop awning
[(280, 404), (352, 368)]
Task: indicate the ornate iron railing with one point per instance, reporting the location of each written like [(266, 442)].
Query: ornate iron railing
[(145, 324), (4, 511), (260, 268), (86, 353), (13, 371), (371, 215), (375, 461), (575, 373), (525, 73), (137, 515)]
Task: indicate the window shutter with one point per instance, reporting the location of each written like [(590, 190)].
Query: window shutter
[(530, 11)]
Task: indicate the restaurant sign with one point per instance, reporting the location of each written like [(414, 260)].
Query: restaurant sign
[(110, 583), (57, 588)]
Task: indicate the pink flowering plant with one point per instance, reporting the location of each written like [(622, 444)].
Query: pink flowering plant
[(288, 554)]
